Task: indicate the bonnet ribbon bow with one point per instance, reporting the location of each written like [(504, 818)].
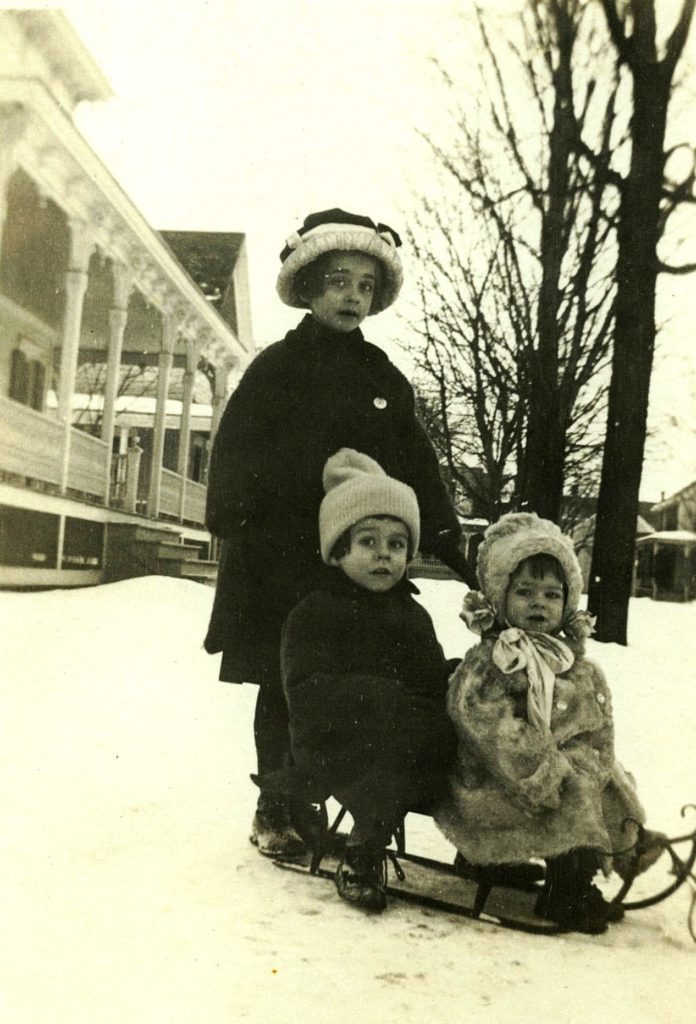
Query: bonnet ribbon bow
[(543, 657)]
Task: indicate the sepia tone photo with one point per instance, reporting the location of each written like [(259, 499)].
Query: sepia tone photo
[(348, 511)]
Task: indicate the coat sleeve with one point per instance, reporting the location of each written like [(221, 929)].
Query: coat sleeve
[(239, 465), (440, 529), (521, 758), (257, 458)]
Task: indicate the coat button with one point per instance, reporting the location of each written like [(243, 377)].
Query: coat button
[(601, 699), (380, 403), (561, 705)]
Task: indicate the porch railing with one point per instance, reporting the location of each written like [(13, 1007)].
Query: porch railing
[(87, 469), (31, 444), (191, 507)]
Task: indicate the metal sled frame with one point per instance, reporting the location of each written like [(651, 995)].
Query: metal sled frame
[(682, 869)]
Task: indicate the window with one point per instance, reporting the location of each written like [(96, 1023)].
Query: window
[(27, 379)]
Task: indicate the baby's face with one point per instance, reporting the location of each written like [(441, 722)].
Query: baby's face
[(349, 287), (534, 603), (378, 553)]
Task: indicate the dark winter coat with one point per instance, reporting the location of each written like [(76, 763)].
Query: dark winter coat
[(298, 402), (365, 680), (519, 792)]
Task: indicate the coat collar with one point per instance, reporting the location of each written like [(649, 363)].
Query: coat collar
[(336, 581), (310, 331)]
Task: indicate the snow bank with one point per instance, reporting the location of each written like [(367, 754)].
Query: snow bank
[(130, 890)]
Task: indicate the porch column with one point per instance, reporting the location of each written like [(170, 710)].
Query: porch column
[(185, 426), (222, 373), (76, 277), (118, 316), (166, 358)]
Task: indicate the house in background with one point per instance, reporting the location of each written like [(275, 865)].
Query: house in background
[(666, 560), (583, 541), (88, 287)]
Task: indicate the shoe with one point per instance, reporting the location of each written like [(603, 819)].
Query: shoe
[(575, 915), (272, 831), (512, 875), (613, 911), (309, 822), (361, 878)]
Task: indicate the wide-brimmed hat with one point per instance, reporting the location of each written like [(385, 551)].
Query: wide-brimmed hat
[(335, 230)]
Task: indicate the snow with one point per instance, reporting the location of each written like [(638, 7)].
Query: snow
[(131, 893)]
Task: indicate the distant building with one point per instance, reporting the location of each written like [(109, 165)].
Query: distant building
[(583, 541), (114, 358), (666, 560)]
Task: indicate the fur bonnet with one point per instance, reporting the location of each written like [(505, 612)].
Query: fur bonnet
[(517, 536), (335, 230)]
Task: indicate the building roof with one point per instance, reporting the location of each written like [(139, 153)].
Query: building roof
[(70, 60), (677, 537), (673, 499), (209, 258), (584, 530)]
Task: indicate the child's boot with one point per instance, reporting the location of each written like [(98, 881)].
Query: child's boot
[(569, 897), (361, 877), (272, 831)]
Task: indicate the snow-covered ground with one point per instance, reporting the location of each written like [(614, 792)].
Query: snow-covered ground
[(130, 891)]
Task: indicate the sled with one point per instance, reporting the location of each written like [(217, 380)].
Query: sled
[(491, 895)]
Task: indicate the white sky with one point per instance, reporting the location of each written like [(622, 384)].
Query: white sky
[(231, 116)]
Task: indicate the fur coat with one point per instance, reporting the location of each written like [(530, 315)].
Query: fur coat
[(299, 401), (520, 792)]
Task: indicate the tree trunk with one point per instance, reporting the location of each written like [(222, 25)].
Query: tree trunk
[(634, 341), (544, 459)]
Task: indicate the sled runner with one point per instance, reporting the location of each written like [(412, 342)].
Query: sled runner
[(496, 895)]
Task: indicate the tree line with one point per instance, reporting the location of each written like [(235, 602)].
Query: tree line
[(541, 247)]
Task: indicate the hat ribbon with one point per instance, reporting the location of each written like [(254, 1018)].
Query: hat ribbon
[(384, 232), (543, 657)]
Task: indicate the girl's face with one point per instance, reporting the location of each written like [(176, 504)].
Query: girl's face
[(534, 603), (349, 286)]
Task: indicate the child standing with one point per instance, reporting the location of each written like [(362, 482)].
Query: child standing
[(536, 774), (321, 388), (364, 675)]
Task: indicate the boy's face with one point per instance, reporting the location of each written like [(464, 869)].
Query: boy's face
[(534, 603), (349, 286), (378, 554)]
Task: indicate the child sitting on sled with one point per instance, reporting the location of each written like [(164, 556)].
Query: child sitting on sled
[(536, 773), (364, 675)]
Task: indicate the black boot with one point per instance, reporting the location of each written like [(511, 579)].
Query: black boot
[(272, 831), (570, 898), (309, 822), (361, 877)]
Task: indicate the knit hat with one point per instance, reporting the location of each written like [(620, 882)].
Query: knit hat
[(513, 538), (336, 230), (356, 486)]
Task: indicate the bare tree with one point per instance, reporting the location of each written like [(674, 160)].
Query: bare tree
[(518, 288), (648, 200)]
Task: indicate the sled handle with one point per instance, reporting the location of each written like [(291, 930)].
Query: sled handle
[(682, 869)]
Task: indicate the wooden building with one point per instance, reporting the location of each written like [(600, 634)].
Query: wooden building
[(85, 281)]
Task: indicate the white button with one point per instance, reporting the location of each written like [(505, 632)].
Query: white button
[(601, 698), (561, 705), (380, 403)]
